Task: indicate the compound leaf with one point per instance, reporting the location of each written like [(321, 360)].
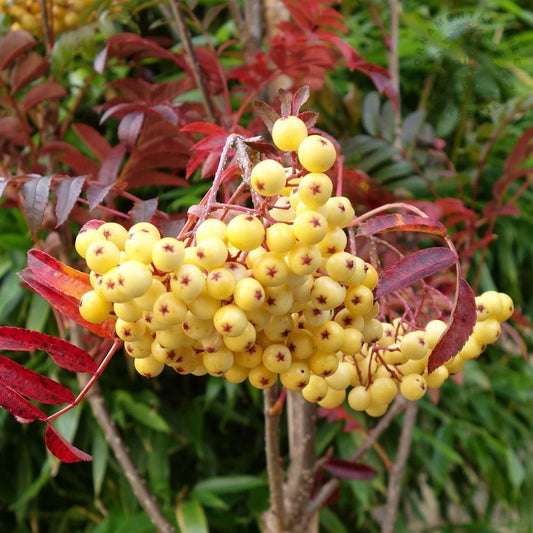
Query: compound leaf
[(460, 328), (64, 354), (415, 266)]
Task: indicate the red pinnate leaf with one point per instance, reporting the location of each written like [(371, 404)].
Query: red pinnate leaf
[(340, 414), (399, 222), (129, 128), (206, 128), (144, 210), (111, 166), (94, 223), (266, 113), (521, 151), (35, 193), (25, 71), (11, 128), (413, 267), (52, 272), (33, 385), (62, 449), (460, 328), (47, 91), (93, 140), (64, 354), (300, 97), (96, 193), (67, 192), (3, 184), (13, 45), (344, 469), (67, 305), (23, 410)]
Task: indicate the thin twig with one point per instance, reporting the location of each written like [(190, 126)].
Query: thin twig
[(113, 437), (394, 68), (48, 31), (185, 37), (398, 468), (275, 517), (327, 490)]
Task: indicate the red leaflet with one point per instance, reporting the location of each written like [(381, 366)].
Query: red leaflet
[(55, 274), (267, 114), (144, 210), (35, 193), (521, 152), (66, 305), (67, 192), (413, 267), (47, 91), (344, 469), (399, 222), (62, 449), (339, 413), (129, 128), (457, 333), (31, 384), (93, 140), (23, 410), (14, 44), (26, 70), (63, 353), (110, 168)]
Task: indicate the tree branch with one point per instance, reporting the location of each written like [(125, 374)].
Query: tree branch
[(394, 67), (301, 419), (174, 13), (327, 490), (398, 468), (274, 518)]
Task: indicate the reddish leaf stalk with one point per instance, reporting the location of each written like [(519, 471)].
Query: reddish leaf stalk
[(89, 384)]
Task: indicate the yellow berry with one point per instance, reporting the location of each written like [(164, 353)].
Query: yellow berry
[(149, 367), (168, 254), (94, 308), (413, 387), (316, 153), (288, 132), (245, 232), (268, 177)]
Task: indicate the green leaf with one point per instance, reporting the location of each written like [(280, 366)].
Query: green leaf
[(515, 468), (376, 158), (411, 126), (191, 517), (393, 171), (208, 499), (386, 121), (141, 412), (158, 465), (370, 113), (100, 453), (229, 484), (331, 522), (38, 313)]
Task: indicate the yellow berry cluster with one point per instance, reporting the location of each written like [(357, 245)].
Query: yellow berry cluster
[(259, 297), (64, 15)]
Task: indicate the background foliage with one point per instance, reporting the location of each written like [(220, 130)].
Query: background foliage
[(466, 80)]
